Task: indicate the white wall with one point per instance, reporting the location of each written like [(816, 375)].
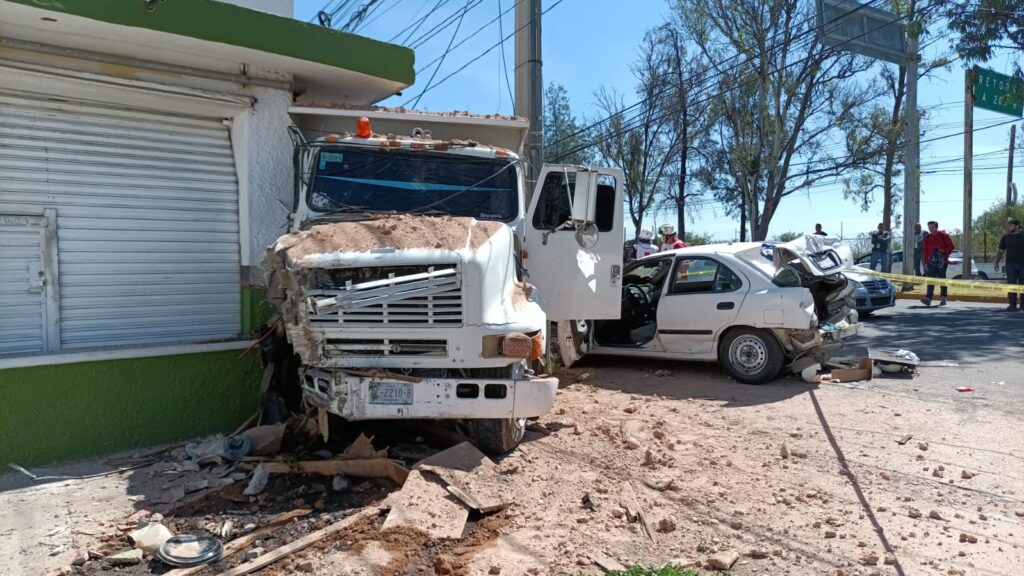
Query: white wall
[(263, 153), (277, 7)]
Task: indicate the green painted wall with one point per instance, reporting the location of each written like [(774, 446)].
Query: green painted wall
[(230, 24), (70, 411), (256, 311)]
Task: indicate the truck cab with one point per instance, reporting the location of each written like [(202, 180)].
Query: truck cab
[(416, 283)]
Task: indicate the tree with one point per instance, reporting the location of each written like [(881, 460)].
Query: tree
[(990, 226), (881, 136), (788, 236), (638, 139), (782, 103), (562, 137), (985, 27)]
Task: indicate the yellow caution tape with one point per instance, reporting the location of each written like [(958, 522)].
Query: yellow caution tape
[(962, 287)]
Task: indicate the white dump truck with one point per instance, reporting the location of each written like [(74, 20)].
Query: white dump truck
[(416, 283)]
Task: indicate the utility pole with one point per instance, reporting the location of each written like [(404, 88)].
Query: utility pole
[(911, 156), (1009, 171), (530, 86), (684, 143), (968, 171)]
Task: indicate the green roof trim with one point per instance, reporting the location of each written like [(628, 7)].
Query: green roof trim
[(229, 24)]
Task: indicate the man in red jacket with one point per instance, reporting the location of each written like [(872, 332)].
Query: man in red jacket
[(937, 248)]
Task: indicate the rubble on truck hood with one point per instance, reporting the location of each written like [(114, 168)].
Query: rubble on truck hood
[(306, 249)]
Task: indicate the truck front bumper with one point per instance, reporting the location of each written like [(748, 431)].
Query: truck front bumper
[(381, 397)]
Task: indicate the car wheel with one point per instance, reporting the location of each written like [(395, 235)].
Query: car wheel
[(497, 436), (751, 356), (865, 313), (982, 276)]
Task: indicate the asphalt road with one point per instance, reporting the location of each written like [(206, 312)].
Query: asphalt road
[(984, 340)]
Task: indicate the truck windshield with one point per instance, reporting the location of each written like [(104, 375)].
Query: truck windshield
[(350, 180)]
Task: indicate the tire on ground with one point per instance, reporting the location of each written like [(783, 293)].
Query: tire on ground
[(497, 436), (751, 356)]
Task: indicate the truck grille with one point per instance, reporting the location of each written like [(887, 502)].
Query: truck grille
[(405, 295), (385, 347)]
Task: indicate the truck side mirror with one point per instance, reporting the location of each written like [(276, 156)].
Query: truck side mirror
[(584, 197)]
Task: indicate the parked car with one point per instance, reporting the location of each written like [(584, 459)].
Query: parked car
[(755, 308), (954, 271), (871, 293)]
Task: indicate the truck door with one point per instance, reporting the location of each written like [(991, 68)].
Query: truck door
[(574, 243)]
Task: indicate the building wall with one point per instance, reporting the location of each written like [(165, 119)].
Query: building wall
[(282, 8), (68, 411)]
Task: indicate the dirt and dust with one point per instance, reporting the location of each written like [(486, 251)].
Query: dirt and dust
[(401, 232), (697, 458)]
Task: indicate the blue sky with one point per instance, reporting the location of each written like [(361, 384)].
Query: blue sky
[(592, 43)]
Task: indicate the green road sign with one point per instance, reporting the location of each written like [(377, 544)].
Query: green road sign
[(998, 92)]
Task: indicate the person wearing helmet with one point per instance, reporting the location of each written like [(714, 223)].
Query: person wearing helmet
[(644, 245), (671, 241)]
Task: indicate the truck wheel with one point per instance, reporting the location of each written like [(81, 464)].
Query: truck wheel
[(751, 356), (497, 436)]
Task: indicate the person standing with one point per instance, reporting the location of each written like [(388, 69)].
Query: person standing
[(937, 248), (919, 236), (644, 245), (671, 241), (880, 247), (1012, 246), (818, 231)]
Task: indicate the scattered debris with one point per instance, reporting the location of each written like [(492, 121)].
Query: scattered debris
[(723, 560), (150, 537), (967, 475), (965, 389), (368, 468), (631, 434), (258, 482), (662, 373), (784, 451), (300, 544), (538, 428), (629, 502), (935, 515), (922, 445), (666, 525), (126, 558), (659, 485), (265, 440), (340, 483), (902, 441), (607, 564), (426, 505)]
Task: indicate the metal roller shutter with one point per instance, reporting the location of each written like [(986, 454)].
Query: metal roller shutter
[(147, 217)]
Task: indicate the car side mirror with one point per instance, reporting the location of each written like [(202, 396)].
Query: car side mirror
[(584, 197)]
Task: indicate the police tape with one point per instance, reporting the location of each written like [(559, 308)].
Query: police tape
[(960, 287)]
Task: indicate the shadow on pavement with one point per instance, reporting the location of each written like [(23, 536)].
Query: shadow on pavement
[(964, 333), (681, 380)]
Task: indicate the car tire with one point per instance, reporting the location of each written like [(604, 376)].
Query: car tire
[(865, 313), (751, 356), (497, 436), (982, 276)]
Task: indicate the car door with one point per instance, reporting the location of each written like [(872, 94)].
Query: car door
[(573, 252), (702, 298)]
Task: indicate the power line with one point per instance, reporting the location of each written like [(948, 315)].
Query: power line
[(485, 52), (636, 121), (417, 24), (447, 50), (477, 31), (442, 26)]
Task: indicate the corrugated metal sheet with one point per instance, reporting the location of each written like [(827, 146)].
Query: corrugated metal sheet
[(147, 209), (22, 299)]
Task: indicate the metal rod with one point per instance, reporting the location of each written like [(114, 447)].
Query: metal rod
[(965, 247), (143, 64)]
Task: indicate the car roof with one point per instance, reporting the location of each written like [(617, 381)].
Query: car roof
[(722, 248)]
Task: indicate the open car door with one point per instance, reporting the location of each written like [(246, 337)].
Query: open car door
[(574, 243)]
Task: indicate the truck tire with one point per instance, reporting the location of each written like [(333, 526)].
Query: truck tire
[(497, 436), (751, 356)]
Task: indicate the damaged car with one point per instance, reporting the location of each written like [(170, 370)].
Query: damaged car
[(754, 308)]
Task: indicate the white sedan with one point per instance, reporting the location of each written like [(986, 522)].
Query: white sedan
[(755, 308)]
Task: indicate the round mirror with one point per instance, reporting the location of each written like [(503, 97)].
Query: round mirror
[(586, 235)]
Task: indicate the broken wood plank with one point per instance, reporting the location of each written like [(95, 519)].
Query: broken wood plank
[(629, 501), (241, 543), (300, 544), (362, 447), (365, 468), (905, 439), (424, 504), (471, 477)]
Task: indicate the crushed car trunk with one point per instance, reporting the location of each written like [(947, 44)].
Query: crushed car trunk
[(810, 262)]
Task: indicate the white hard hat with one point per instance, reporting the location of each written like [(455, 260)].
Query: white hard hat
[(646, 234), (667, 230)]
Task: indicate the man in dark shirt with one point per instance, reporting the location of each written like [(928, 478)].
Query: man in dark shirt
[(1012, 245), (818, 231), (880, 248), (919, 236)]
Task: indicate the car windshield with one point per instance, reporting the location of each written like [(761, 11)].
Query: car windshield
[(348, 179)]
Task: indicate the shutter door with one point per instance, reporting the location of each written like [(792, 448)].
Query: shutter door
[(147, 209), (22, 294)]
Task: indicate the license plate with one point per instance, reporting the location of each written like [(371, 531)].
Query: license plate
[(390, 393)]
